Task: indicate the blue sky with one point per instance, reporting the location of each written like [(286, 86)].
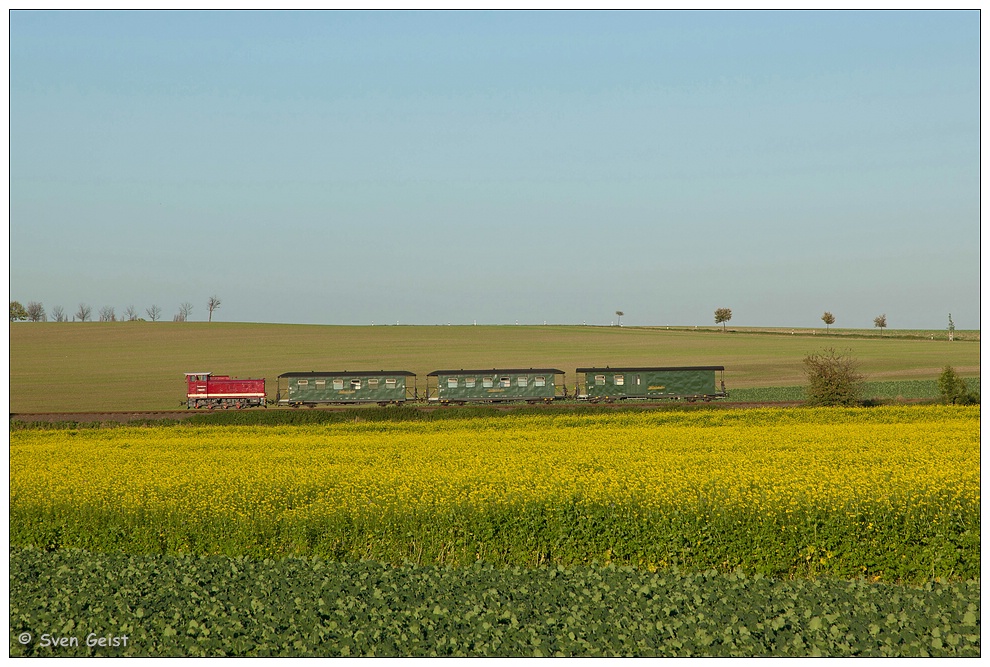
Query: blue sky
[(433, 167)]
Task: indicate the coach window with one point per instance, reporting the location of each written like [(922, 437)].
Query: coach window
[(600, 380), (321, 384), (338, 384), (638, 381), (620, 380), (488, 382), (355, 384), (505, 382), (540, 381), (452, 383), (522, 381), (390, 383), (373, 383), (303, 383), (469, 382)]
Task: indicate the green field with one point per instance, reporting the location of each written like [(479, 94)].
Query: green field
[(139, 365)]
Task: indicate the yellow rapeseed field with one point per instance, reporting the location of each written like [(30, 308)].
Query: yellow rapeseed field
[(888, 493), (763, 459)]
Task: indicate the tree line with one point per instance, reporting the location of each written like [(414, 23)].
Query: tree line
[(723, 315), (34, 311)]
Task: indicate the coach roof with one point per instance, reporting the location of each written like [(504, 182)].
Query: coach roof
[(327, 374), (647, 369), (500, 371)]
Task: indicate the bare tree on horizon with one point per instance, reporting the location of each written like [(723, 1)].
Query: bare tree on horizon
[(212, 305), (184, 311)]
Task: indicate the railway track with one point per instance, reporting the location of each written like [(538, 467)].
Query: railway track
[(125, 416), (122, 416)]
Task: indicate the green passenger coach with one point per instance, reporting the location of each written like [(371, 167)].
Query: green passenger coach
[(495, 385), (325, 388), (674, 383)]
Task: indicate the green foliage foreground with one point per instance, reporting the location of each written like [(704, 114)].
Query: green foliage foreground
[(216, 606)]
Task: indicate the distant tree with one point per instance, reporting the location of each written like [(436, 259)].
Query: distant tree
[(829, 319), (212, 305), (107, 314), (185, 310), (130, 314), (619, 313), (833, 378), (951, 387), (154, 313), (58, 314), (84, 313), (880, 321), (36, 312), (723, 315), (17, 312), (952, 328)]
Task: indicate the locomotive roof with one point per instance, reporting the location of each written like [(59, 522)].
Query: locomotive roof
[(497, 371), (652, 368), (324, 374)]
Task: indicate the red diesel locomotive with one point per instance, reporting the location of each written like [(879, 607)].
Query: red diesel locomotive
[(206, 390)]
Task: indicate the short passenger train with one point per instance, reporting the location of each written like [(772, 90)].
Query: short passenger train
[(460, 387)]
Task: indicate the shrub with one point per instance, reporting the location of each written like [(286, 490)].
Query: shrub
[(952, 388), (833, 378)]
